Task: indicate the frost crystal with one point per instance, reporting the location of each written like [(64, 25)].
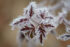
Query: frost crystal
[(37, 22)]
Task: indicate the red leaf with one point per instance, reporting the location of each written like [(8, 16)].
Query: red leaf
[(21, 20), (42, 31), (49, 25), (41, 39), (42, 15), (49, 17), (31, 11), (26, 28)]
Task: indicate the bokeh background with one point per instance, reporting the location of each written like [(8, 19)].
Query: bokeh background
[(10, 9)]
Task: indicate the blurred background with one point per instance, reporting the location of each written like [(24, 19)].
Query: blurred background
[(10, 9)]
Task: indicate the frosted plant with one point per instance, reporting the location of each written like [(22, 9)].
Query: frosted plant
[(37, 22)]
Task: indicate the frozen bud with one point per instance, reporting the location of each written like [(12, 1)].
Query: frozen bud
[(37, 22), (42, 31), (29, 10), (17, 21), (64, 37), (66, 22), (28, 31)]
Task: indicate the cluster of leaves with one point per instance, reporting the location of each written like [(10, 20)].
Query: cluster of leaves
[(37, 22)]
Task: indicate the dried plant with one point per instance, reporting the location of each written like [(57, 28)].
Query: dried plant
[(37, 22)]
